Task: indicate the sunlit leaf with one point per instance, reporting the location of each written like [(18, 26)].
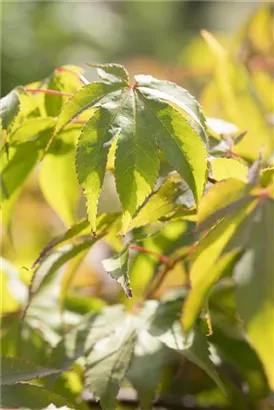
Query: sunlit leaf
[(172, 93), (9, 108), (92, 151), (207, 263), (15, 169), (112, 73), (217, 199), (224, 168), (87, 97), (58, 178), (66, 79), (30, 129), (142, 121), (159, 204)]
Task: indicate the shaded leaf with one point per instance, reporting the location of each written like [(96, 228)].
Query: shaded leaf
[(165, 326), (230, 339), (108, 362), (255, 290), (29, 396), (16, 369), (146, 369)]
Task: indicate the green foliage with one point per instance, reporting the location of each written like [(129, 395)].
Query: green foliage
[(187, 233)]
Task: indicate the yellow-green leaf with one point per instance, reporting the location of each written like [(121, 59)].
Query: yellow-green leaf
[(224, 168), (58, 180)]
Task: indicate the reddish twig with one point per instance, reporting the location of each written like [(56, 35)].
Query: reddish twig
[(161, 258), (80, 76), (77, 121), (46, 91)]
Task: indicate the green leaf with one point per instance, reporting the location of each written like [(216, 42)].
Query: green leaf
[(30, 129), (13, 284), (159, 204), (224, 168), (172, 93), (29, 396), (46, 288), (267, 177), (146, 369), (181, 145), (164, 325), (78, 230), (92, 151), (117, 268), (87, 97), (79, 341), (108, 362), (15, 169), (216, 199), (254, 280), (207, 263), (112, 73), (199, 354), (136, 157), (58, 179), (142, 122), (230, 340), (65, 79), (16, 369), (9, 108)]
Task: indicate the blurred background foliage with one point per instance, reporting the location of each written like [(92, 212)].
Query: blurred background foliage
[(154, 37), (161, 38)]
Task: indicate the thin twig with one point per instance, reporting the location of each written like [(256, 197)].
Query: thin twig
[(162, 258), (47, 91), (169, 266), (80, 76)]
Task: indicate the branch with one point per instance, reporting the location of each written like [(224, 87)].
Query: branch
[(169, 266)]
